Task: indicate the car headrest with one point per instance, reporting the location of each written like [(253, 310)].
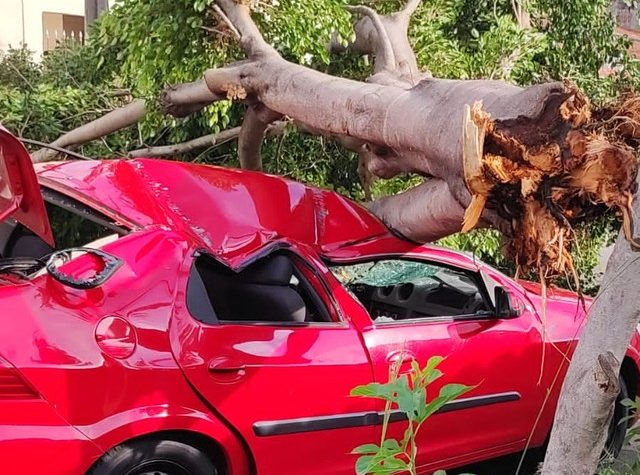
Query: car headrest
[(276, 270), (269, 303)]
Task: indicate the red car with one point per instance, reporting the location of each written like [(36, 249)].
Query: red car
[(215, 320)]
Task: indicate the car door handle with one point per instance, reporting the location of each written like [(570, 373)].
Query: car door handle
[(224, 366), (401, 356)]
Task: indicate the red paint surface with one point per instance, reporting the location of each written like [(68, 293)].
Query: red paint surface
[(19, 191)]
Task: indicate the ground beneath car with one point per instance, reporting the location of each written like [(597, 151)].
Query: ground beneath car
[(501, 466), (509, 465)]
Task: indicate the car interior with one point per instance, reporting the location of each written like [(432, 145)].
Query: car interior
[(74, 225), (271, 290), (395, 289)]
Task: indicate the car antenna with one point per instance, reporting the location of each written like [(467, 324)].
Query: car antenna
[(54, 147)]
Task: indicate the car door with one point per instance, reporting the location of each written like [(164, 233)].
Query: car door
[(421, 308), (20, 196), (280, 378)]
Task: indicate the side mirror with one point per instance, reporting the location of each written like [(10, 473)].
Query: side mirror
[(504, 307)]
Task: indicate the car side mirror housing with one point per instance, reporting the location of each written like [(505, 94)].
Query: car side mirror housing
[(504, 306)]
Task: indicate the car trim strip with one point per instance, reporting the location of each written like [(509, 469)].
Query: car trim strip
[(360, 419)]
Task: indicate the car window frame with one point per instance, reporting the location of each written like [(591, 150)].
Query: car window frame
[(475, 276), (326, 299)]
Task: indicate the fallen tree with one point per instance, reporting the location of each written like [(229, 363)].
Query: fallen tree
[(539, 159), (530, 162)]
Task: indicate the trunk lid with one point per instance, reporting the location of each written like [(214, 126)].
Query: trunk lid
[(20, 196)]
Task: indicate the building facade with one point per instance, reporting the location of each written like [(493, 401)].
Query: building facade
[(41, 24)]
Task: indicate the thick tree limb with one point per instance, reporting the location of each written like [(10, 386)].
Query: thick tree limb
[(182, 100), (373, 113), (239, 15), (386, 37), (114, 120), (385, 57), (409, 8), (431, 202), (255, 124)]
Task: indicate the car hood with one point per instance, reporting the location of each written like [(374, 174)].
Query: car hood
[(560, 311), (553, 293)]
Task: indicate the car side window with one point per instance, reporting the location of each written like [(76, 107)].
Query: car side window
[(271, 290), (396, 289)]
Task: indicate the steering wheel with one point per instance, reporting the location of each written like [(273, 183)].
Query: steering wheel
[(111, 264), (442, 283)]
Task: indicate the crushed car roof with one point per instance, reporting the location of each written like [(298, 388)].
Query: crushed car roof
[(227, 210)]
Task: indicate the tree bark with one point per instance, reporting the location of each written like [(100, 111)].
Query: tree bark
[(591, 385), (254, 126)]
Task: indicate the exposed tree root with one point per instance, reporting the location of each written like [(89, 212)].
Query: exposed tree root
[(545, 177)]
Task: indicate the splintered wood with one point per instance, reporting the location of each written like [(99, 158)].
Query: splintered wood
[(543, 177)]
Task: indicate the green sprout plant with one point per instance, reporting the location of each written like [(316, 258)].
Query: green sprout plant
[(407, 393)]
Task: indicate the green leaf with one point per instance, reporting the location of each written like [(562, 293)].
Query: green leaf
[(448, 393), (405, 398), (366, 449), (374, 390), (433, 375), (363, 464)]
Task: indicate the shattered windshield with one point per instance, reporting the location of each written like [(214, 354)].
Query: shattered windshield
[(398, 289), (384, 273)]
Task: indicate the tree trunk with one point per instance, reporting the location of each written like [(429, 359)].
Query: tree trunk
[(92, 10), (591, 385)]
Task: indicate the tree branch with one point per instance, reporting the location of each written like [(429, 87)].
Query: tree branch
[(385, 36), (239, 15), (410, 8), (200, 143), (386, 56), (430, 202), (181, 100), (114, 120), (255, 124), (225, 19)]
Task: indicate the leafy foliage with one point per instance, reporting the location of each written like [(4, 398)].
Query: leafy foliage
[(17, 69), (580, 37), (631, 467), (37, 102), (407, 393)]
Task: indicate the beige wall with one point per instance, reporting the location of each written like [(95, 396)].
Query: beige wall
[(13, 29)]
